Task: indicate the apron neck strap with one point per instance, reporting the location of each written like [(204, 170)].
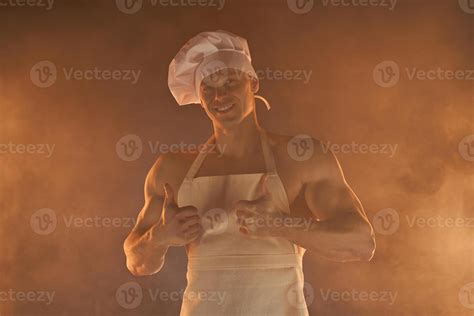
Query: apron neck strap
[(267, 155)]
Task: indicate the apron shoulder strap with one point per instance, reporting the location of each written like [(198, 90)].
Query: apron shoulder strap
[(198, 161), (268, 154)]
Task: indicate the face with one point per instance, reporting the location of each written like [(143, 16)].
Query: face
[(227, 96)]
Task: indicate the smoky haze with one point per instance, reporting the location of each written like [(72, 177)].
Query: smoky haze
[(333, 56)]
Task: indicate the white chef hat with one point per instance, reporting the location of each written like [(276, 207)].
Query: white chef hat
[(203, 55)]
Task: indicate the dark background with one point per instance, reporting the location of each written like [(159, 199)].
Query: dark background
[(341, 103)]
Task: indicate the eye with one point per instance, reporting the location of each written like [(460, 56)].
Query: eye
[(231, 82)]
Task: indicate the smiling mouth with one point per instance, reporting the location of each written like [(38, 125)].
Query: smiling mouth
[(224, 108)]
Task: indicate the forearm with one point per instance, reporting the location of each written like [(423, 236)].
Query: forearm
[(343, 238), (144, 255)]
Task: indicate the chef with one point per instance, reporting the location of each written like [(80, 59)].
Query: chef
[(247, 211)]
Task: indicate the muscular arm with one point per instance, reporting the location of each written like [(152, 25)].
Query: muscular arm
[(145, 257), (340, 229)]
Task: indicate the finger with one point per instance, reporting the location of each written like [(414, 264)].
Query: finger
[(244, 205), (184, 214), (244, 230), (196, 228), (190, 221)]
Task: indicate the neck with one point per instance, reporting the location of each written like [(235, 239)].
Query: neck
[(240, 140)]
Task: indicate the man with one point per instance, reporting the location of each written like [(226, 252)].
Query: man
[(247, 213)]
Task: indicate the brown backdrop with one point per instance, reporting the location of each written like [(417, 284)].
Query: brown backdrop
[(426, 267)]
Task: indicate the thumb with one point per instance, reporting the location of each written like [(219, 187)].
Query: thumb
[(262, 189)]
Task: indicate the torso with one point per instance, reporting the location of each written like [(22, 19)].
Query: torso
[(289, 170)]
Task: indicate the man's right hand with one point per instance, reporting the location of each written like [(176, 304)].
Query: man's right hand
[(178, 225)]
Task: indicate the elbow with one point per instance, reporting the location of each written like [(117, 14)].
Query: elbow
[(138, 270)]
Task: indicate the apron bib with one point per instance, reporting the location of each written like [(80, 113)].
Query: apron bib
[(229, 273)]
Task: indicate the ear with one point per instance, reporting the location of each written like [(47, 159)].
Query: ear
[(254, 84)]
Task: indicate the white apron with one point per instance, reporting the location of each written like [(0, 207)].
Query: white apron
[(228, 272)]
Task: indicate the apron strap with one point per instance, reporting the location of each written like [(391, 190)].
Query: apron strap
[(199, 160), (267, 155)]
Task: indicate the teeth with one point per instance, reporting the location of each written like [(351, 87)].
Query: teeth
[(224, 108)]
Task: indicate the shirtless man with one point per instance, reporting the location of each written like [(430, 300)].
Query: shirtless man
[(315, 189)]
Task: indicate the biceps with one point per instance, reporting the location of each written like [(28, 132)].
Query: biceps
[(149, 214), (327, 200)]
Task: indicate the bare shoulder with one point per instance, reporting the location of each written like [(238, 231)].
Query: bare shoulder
[(306, 155), (168, 168)]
